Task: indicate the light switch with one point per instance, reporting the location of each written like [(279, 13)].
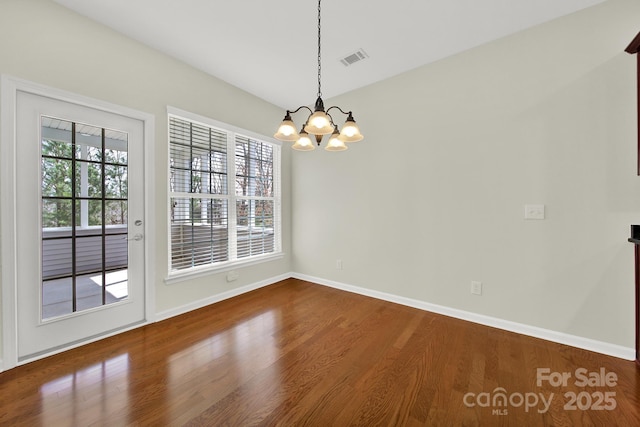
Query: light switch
[(533, 211)]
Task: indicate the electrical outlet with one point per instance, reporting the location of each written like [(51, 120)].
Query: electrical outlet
[(338, 264), (533, 211), (232, 276), (476, 288)]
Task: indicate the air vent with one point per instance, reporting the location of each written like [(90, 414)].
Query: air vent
[(351, 59)]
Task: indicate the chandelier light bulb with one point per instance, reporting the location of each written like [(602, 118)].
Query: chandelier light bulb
[(349, 131), (319, 124), (287, 129), (319, 121)]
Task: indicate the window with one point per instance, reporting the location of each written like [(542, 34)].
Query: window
[(224, 186), (84, 171)]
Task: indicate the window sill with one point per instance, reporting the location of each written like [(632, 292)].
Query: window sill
[(202, 271)]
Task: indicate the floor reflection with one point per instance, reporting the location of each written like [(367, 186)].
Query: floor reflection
[(87, 394), (227, 360)]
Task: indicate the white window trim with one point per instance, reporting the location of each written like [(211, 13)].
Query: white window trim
[(207, 270), (233, 263)]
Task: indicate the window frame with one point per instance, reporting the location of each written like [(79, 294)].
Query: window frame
[(232, 132)]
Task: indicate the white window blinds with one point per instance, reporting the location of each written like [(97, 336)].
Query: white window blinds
[(216, 221)]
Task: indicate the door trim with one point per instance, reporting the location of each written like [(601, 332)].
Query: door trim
[(9, 88)]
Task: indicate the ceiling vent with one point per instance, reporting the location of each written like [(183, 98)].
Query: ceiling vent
[(351, 59)]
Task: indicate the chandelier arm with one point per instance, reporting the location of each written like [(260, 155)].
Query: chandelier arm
[(346, 113), (300, 108)]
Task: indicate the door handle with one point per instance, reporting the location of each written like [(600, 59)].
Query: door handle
[(137, 237)]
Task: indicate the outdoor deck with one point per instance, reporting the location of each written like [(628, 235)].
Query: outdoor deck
[(57, 293)]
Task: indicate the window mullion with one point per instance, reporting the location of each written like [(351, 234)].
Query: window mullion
[(84, 186), (277, 203), (232, 225)]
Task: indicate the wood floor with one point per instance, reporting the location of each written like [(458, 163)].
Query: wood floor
[(300, 354)]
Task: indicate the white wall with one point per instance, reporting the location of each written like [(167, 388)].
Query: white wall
[(45, 43), (434, 196)]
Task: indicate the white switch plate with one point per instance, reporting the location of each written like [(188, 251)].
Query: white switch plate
[(533, 211)]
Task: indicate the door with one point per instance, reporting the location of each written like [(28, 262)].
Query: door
[(79, 242)]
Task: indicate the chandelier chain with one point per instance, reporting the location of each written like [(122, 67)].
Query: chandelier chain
[(319, 56)]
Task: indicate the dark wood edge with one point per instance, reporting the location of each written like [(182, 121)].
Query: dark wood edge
[(634, 46), (637, 295)]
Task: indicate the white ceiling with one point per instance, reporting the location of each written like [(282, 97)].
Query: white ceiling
[(269, 48)]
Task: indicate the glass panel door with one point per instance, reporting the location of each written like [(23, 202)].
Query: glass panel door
[(84, 217)]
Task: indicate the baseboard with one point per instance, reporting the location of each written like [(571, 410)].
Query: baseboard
[(219, 297), (520, 328)]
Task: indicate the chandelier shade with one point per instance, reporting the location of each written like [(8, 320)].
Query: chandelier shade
[(335, 143), (350, 131), (319, 122), (287, 130), (303, 143)]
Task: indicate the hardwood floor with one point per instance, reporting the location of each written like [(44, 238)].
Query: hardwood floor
[(296, 353)]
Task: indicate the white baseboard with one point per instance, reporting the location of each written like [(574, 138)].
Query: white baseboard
[(219, 297), (520, 328)]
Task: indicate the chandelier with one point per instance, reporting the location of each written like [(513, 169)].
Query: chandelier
[(319, 122)]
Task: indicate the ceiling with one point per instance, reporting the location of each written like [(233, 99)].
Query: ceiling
[(269, 48)]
